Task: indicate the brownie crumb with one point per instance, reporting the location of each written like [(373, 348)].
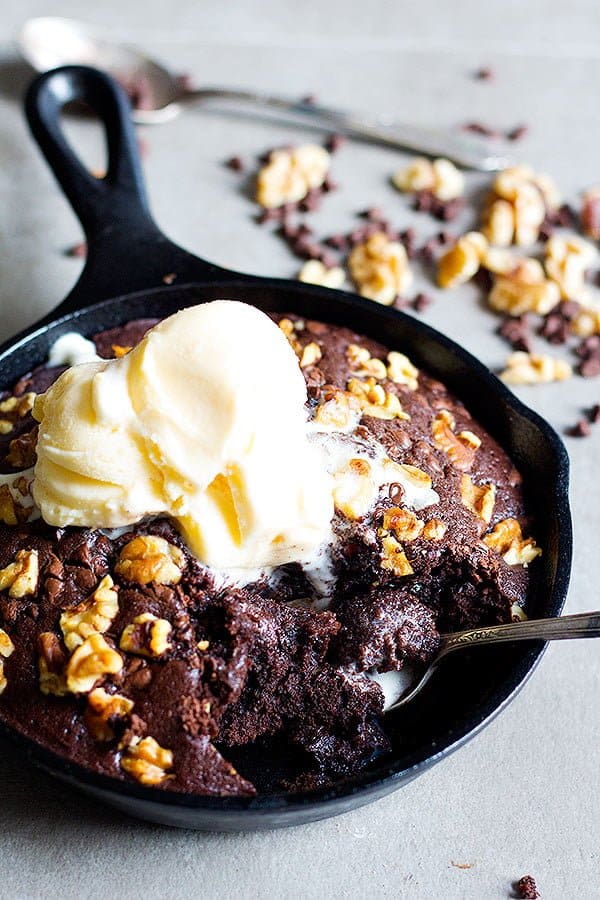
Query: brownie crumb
[(526, 888)]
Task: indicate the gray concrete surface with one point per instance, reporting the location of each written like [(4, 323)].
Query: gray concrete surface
[(522, 797)]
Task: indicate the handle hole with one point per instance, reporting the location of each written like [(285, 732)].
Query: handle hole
[(86, 136)]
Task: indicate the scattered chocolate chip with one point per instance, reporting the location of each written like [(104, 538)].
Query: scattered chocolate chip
[(427, 251), (373, 214), (77, 251), (569, 309), (546, 230), (563, 217), (485, 73), (554, 328), (444, 237), (401, 303), (594, 413), (235, 163), (337, 241), (480, 129), (335, 142), (590, 346), (421, 302), (448, 210), (312, 201), (517, 133), (590, 368), (289, 231), (329, 185), (274, 214), (590, 216), (396, 492), (309, 100), (423, 201), (169, 278), (526, 888), (328, 259), (582, 428), (515, 330)]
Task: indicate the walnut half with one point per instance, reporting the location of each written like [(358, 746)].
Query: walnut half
[(146, 636), (21, 575), (148, 558), (146, 761), (93, 615)]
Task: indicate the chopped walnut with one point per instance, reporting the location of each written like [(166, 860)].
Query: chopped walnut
[(460, 448), (314, 272), (289, 329), (355, 489), (403, 523), (146, 761), (499, 227), (393, 557), (21, 575), (380, 268), (507, 539), (18, 406), (586, 322), (434, 530), (8, 513), (480, 499), (339, 411), (311, 354), (363, 364), (51, 663), (375, 401), (21, 450), (441, 177), (91, 661), (516, 207), (94, 615), (5, 426), (524, 290), (289, 175), (462, 261), (146, 636), (6, 649), (103, 710), (567, 259), (400, 370), (531, 368), (148, 558)]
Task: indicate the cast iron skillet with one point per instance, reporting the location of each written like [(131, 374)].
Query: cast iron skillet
[(123, 278)]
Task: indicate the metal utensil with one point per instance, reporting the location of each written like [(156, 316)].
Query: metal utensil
[(582, 625), (51, 41)]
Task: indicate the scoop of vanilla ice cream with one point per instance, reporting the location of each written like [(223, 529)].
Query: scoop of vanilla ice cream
[(204, 421)]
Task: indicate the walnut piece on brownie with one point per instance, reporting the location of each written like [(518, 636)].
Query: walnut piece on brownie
[(94, 615), (479, 498), (103, 711), (91, 661), (21, 575), (147, 635), (460, 448), (149, 558), (507, 539), (146, 761)]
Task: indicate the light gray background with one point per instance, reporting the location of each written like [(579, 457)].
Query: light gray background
[(522, 797)]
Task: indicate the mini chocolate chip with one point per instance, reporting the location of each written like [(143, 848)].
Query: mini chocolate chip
[(421, 302), (335, 142), (517, 133), (485, 73), (235, 163), (77, 251), (481, 129), (581, 429), (337, 241), (329, 185), (589, 368), (594, 413)]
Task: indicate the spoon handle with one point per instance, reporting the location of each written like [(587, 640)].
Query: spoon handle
[(471, 154), (581, 625)]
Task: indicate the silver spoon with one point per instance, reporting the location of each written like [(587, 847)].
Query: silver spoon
[(582, 625), (51, 41)]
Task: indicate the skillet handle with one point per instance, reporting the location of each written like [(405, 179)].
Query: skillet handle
[(126, 250)]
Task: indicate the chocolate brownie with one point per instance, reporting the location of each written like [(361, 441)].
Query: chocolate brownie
[(122, 652)]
